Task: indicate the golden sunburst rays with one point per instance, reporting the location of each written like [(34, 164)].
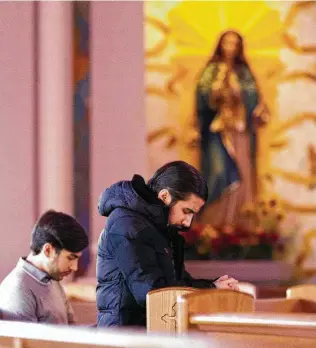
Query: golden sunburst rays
[(308, 181), (157, 32), (181, 37), (168, 88), (158, 50), (195, 26), (190, 29), (291, 39), (194, 31), (185, 33), (305, 252), (278, 140), (295, 120), (161, 43), (301, 74)]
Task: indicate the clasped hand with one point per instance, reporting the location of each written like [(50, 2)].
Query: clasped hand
[(226, 282)]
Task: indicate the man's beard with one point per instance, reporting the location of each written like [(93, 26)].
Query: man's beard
[(53, 270), (179, 228), (54, 273)]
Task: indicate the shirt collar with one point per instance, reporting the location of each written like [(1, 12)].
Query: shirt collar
[(33, 271)]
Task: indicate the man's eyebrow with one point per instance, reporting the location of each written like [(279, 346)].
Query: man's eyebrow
[(190, 210), (75, 256)]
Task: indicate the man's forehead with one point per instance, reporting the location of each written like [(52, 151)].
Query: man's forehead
[(71, 253), (194, 202)]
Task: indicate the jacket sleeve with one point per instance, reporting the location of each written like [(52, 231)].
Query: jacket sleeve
[(186, 278), (197, 283), (136, 258)]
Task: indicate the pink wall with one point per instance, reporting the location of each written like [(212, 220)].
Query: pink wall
[(118, 148), (17, 174)]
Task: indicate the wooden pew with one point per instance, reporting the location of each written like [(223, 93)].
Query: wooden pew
[(31, 335), (81, 291), (85, 312), (211, 301), (248, 288), (304, 292), (82, 299), (161, 307), (285, 305), (268, 291), (82, 296), (254, 330)]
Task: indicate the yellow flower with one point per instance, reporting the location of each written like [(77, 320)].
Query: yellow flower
[(209, 232), (248, 209)]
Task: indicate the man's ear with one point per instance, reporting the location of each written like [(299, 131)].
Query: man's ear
[(165, 196), (48, 250)]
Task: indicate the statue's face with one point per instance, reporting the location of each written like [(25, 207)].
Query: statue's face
[(230, 45)]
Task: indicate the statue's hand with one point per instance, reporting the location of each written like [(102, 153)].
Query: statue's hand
[(261, 114)]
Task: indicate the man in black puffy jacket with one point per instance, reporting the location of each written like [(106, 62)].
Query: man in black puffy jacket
[(140, 248)]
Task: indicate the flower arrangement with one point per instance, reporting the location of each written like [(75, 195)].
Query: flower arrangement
[(264, 237)]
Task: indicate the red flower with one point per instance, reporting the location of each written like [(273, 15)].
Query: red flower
[(274, 237), (269, 237), (216, 244), (234, 240)]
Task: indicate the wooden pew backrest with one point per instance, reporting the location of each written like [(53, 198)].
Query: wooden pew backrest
[(248, 288), (285, 305), (304, 292), (161, 307), (81, 292), (211, 301), (257, 330), (85, 312), (31, 335)]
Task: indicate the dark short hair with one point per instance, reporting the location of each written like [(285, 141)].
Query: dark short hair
[(62, 231), (180, 179)]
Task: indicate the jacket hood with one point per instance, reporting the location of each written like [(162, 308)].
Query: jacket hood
[(134, 195)]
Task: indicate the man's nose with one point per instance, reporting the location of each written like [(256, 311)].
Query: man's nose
[(74, 266), (187, 222)]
